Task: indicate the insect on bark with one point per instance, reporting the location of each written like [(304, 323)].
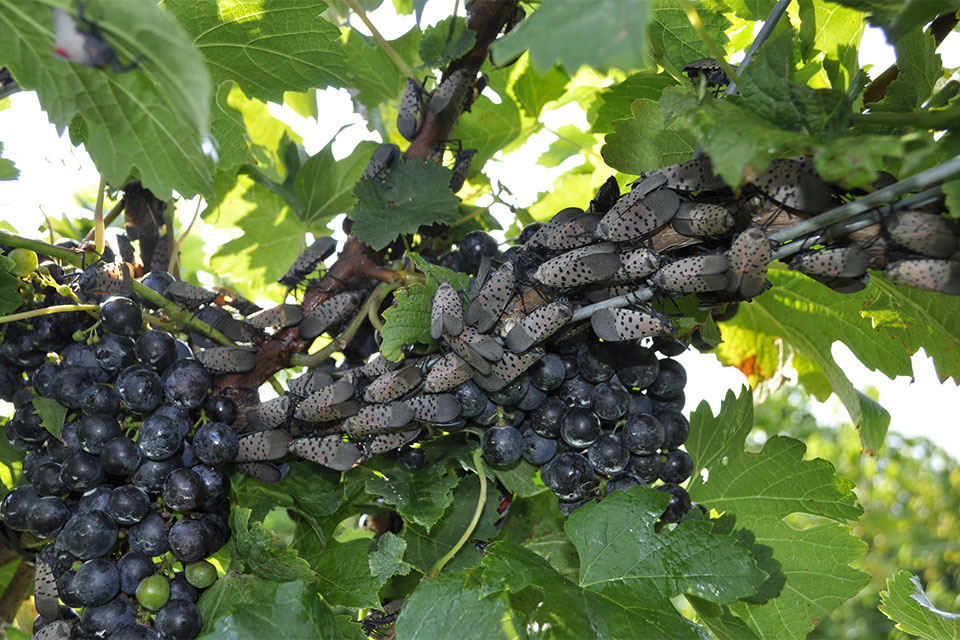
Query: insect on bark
[(393, 384), (408, 115), (435, 408), (446, 373), (749, 259), (305, 264), (228, 359), (316, 406), (385, 442), (265, 472), (263, 445), (508, 369), (538, 326), (636, 264), (278, 317), (692, 175), (451, 88), (330, 451), (384, 157), (568, 229), (485, 309), (107, 278), (617, 325), (461, 167), (794, 183), (638, 217), (697, 274), (189, 295), (478, 349), (309, 382), (271, 414), (581, 266)]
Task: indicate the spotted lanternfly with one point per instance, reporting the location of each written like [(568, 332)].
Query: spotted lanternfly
[(698, 274), (384, 157), (278, 317), (435, 408), (569, 229), (709, 69), (375, 418), (636, 264), (461, 167), (385, 442), (238, 331), (446, 316), (641, 188), (271, 414), (330, 451), (446, 373), (392, 385), (309, 382), (107, 278), (377, 365), (617, 325), (692, 175), (484, 310), (228, 359), (538, 326), (318, 402), (508, 369), (933, 275), (581, 266), (839, 262), (408, 115), (925, 233), (327, 314), (749, 258), (842, 285), (699, 220), (794, 183), (189, 294), (607, 196), (640, 217), (321, 249), (45, 592), (453, 86), (263, 445), (265, 472), (81, 42), (56, 630), (481, 344)]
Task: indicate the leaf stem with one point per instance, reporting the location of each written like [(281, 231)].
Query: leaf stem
[(938, 119), (765, 31), (715, 49), (389, 50), (481, 502), (175, 254), (99, 241), (108, 219), (45, 311)]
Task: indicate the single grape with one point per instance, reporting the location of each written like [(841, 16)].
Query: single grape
[(149, 536), (180, 589), (140, 389), (638, 367), (95, 499), (570, 367), (610, 401), (569, 506), (608, 455), (153, 592), (121, 316), (451, 260), (576, 392), (647, 468), (188, 541), (151, 474), (548, 373), (160, 437), (183, 490), (47, 516), (475, 246), (44, 379), (511, 394), (156, 350), (670, 381), (488, 416), (472, 399), (622, 481), (186, 384), (115, 353), (569, 476), (642, 434), (676, 428), (100, 398), (596, 360), (676, 402), (24, 262), (65, 589), (221, 409), (88, 535), (120, 456), (81, 471), (94, 431), (533, 399), (502, 445), (546, 418), (133, 567), (412, 459), (677, 467), (528, 231), (215, 443), (679, 502), (101, 621), (580, 428), (200, 574), (668, 347), (128, 504), (726, 313), (216, 485), (97, 582), (536, 449), (46, 480)]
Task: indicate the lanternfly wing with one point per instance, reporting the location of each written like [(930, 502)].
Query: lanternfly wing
[(616, 325), (697, 274), (282, 315), (636, 265), (265, 472), (377, 418), (446, 373), (270, 414), (436, 408), (838, 262), (447, 312), (327, 314), (538, 326), (581, 266), (932, 275), (228, 359), (640, 217), (385, 442), (330, 451), (508, 369), (692, 175), (45, 594), (749, 258), (925, 233), (318, 402), (485, 309), (392, 385), (700, 219), (794, 183), (263, 445)]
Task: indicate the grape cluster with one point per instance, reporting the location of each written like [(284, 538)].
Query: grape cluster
[(128, 502)]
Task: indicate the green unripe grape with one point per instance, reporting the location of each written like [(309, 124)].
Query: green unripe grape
[(200, 574), (153, 592), (24, 262)]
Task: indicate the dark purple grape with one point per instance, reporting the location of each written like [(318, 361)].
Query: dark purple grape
[(179, 619), (218, 530), (100, 398), (580, 428), (676, 428), (134, 567), (670, 381), (10, 382), (622, 481), (16, 505), (95, 499), (215, 443), (451, 260), (128, 504), (638, 367), (502, 445), (677, 467), (47, 516), (45, 379), (71, 386), (679, 502), (533, 399), (156, 350), (48, 334), (89, 535), (81, 471), (65, 589), (569, 476), (221, 409), (608, 455), (570, 367), (135, 632), (32, 461), (184, 490), (528, 231), (639, 404), (180, 416), (642, 434), (27, 426), (511, 394), (115, 353), (474, 247), (46, 480), (120, 456), (158, 281), (610, 401), (19, 351), (189, 540), (546, 418), (180, 589), (569, 506), (412, 459), (186, 384), (101, 621), (668, 347), (63, 613), (97, 582), (140, 389), (596, 360), (538, 450), (472, 399), (576, 392), (151, 474), (121, 316), (548, 373), (160, 437), (676, 402), (149, 536), (95, 431), (58, 451), (725, 314), (188, 456), (647, 468), (488, 416)]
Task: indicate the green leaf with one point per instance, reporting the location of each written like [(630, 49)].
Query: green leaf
[(415, 193), (610, 33), (448, 608), (643, 142), (7, 170), (387, 560), (571, 141), (873, 427), (951, 191), (425, 547), (905, 603), (255, 549), (852, 161), (489, 127), (305, 488), (902, 17), (761, 489), (304, 103), (920, 68), (447, 40), (714, 438), (52, 414), (371, 71), (345, 578), (240, 606), (674, 40), (534, 90), (420, 497), (616, 100), (517, 478), (536, 524), (10, 299), (149, 121), (837, 33), (323, 185)]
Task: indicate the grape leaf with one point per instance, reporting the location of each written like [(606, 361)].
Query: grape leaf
[(674, 40), (52, 414), (489, 127), (851, 160), (415, 193), (387, 560), (7, 170), (10, 299), (305, 488), (149, 121), (643, 142), (240, 606), (761, 489), (424, 547), (420, 497), (612, 33), (714, 438), (304, 103), (255, 549), (448, 608), (533, 90), (571, 141), (905, 603), (920, 68), (536, 524), (323, 185), (371, 71), (722, 624), (876, 421), (836, 32), (344, 571), (444, 42), (616, 100)]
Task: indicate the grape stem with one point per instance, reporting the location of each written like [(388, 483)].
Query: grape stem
[(45, 311), (481, 502), (99, 241), (715, 49)]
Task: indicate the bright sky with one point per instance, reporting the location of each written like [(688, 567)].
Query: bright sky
[(52, 171)]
